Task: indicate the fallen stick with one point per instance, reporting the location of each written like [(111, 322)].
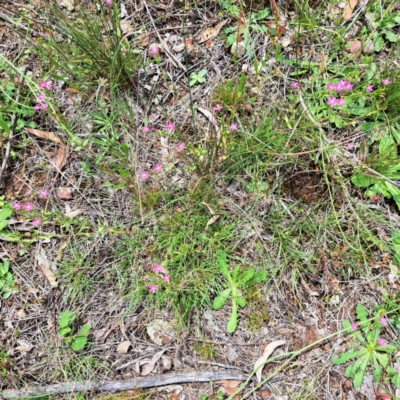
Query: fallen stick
[(128, 384)]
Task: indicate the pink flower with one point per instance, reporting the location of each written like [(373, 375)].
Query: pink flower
[(386, 81), (157, 268), (340, 85), (181, 284), (332, 101), (28, 206), (347, 85), (340, 102), (218, 107), (166, 278), (43, 84), (294, 85), (108, 2), (28, 192), (152, 288), (143, 175), (369, 88), (36, 222), (383, 320), (331, 86), (153, 51), (37, 107), (234, 127), (40, 96), (68, 100), (43, 106), (16, 205), (145, 129), (158, 167), (354, 327), (170, 126), (349, 146), (180, 146), (43, 193), (381, 342)]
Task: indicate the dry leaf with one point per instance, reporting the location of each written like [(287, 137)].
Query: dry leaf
[(45, 266), (44, 135), (123, 347), (73, 214), (353, 46), (61, 157), (210, 33), (189, 44), (126, 27), (348, 10), (59, 251), (264, 394), (150, 366), (64, 193), (71, 90), (229, 387), (23, 346), (210, 44), (166, 362), (259, 365), (68, 4), (21, 313), (212, 219)]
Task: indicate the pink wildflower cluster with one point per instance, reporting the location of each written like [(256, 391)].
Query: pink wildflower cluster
[(153, 51), (28, 206), (41, 104), (158, 270), (157, 169), (340, 86)]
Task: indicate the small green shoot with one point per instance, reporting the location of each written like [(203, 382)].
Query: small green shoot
[(78, 341), (372, 350), (233, 289), (197, 77), (7, 284), (4, 363)]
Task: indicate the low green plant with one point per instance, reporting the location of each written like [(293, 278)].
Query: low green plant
[(384, 31), (197, 77), (244, 26), (4, 362), (78, 341), (7, 284), (371, 349), (236, 282)]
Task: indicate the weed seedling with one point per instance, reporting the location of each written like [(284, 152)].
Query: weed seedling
[(233, 290), (7, 284), (197, 77), (78, 341), (372, 350)]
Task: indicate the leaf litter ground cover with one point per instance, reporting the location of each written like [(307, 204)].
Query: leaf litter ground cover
[(196, 192)]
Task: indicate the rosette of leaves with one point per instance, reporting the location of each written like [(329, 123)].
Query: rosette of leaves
[(7, 284), (387, 163), (236, 282), (368, 352)]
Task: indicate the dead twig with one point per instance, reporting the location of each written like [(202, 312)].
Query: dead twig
[(127, 384), (13, 121)]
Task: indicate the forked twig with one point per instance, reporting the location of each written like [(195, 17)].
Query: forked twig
[(13, 121)]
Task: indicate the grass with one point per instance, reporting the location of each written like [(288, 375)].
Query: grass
[(273, 194)]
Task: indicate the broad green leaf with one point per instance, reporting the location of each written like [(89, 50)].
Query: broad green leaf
[(125, 149), (81, 338), (4, 267), (220, 300), (231, 39), (246, 276), (395, 192), (362, 180), (396, 380), (5, 213), (259, 276), (242, 302), (66, 318), (391, 36), (376, 371), (362, 314), (4, 126), (223, 266), (64, 331), (383, 359), (342, 358), (387, 146), (378, 43), (235, 273), (232, 323)]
